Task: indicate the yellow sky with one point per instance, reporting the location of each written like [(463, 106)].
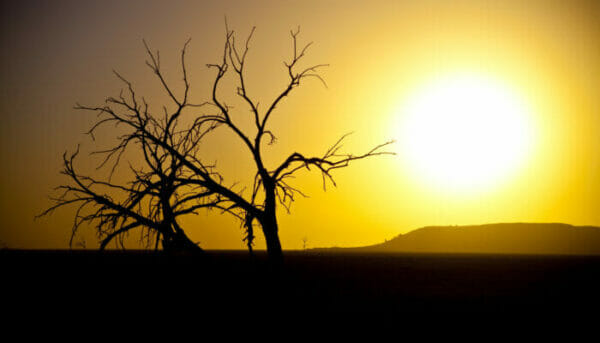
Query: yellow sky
[(380, 53)]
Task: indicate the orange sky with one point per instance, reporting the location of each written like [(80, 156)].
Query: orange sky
[(380, 52)]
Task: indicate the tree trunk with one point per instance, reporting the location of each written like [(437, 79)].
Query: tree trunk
[(271, 232), (269, 225), (180, 243)]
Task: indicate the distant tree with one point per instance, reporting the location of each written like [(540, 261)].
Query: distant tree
[(81, 244), (174, 167)]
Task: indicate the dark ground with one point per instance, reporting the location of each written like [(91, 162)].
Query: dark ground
[(310, 282)]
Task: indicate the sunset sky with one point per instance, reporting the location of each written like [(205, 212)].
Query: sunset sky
[(494, 107)]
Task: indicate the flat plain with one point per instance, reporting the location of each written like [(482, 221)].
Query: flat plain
[(309, 282)]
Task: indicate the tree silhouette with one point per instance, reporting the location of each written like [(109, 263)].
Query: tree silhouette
[(161, 189), (174, 166), (270, 186)]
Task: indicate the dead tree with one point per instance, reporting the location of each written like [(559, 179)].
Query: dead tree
[(271, 185), (186, 168), (160, 189)]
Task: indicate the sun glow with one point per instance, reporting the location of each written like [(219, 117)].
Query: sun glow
[(465, 133)]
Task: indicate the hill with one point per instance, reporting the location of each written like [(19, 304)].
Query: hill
[(504, 238)]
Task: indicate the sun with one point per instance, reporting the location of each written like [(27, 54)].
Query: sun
[(465, 133)]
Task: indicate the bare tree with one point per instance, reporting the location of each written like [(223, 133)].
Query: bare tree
[(271, 183), (174, 167), (161, 189)]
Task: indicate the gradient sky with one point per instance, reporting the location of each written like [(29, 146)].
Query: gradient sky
[(57, 53)]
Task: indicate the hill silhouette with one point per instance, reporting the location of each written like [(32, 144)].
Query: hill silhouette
[(503, 238)]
